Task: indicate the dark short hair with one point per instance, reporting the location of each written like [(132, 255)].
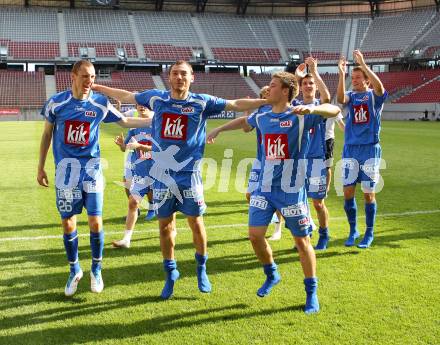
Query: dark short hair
[(308, 75), (360, 69), (181, 62), (76, 67)]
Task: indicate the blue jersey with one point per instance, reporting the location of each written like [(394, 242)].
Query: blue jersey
[(76, 125), (281, 135), (142, 136), (363, 119), (313, 145), (258, 133), (180, 122)]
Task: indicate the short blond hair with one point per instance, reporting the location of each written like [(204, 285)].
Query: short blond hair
[(263, 90), (288, 80)]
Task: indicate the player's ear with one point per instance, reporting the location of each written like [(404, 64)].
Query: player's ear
[(192, 77)]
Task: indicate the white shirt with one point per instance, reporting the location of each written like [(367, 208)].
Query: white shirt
[(330, 126)]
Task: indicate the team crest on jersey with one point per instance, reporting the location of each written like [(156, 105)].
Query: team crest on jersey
[(361, 114), (365, 98), (188, 110), (76, 133), (174, 126), (276, 146), (285, 124), (90, 113)]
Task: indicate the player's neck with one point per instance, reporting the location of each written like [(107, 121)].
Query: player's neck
[(280, 107), (180, 95), (308, 99), (79, 95)]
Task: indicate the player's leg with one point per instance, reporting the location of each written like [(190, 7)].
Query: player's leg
[(350, 208), (150, 213), (308, 263), (369, 179), (132, 216), (167, 244), (200, 243), (322, 213), (97, 247), (260, 214), (70, 239)]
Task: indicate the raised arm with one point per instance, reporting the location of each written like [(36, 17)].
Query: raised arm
[(46, 138), (134, 122), (244, 104), (325, 110), (377, 85), (342, 98), (322, 88), (118, 94), (238, 123)]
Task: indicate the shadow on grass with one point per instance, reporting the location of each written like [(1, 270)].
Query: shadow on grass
[(150, 325)]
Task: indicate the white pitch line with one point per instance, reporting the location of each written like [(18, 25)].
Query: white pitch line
[(401, 214)]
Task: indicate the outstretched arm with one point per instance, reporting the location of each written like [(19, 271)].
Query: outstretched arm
[(377, 85), (244, 104), (325, 110), (340, 94), (118, 94), (322, 88), (134, 122), (238, 123), (46, 138)]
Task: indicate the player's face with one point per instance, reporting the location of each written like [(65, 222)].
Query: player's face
[(143, 111), (358, 81), (83, 80), (276, 92), (308, 87), (181, 78)]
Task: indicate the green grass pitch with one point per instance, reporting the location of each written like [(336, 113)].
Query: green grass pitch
[(388, 294)]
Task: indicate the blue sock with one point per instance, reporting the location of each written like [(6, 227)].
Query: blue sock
[(312, 303), (170, 268), (273, 278), (97, 245), (323, 239), (202, 278), (351, 210), (370, 215), (71, 246)]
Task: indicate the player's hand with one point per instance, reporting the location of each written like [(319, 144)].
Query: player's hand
[(312, 63), (132, 145), (342, 65), (42, 178), (301, 70), (359, 57), (119, 140), (302, 110), (210, 138)]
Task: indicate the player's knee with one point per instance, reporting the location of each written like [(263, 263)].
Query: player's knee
[(302, 243), (318, 204), (255, 237), (369, 198), (95, 224), (133, 204)]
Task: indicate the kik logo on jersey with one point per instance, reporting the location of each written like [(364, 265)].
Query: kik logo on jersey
[(276, 146), (143, 154), (361, 114), (76, 133), (174, 126)]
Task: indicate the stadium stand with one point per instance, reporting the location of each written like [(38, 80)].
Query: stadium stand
[(23, 89), (29, 33), (326, 38), (428, 93), (162, 36), (132, 81), (225, 85)]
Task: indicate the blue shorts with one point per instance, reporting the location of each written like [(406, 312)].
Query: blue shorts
[(129, 167), (254, 176), (316, 178), (293, 207), (141, 182), (360, 164), (179, 191), (78, 188)]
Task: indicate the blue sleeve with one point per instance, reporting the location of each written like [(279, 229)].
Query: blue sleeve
[(312, 120), (379, 100), (143, 98), (252, 119), (113, 114), (214, 105), (349, 93), (130, 134), (47, 111)]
